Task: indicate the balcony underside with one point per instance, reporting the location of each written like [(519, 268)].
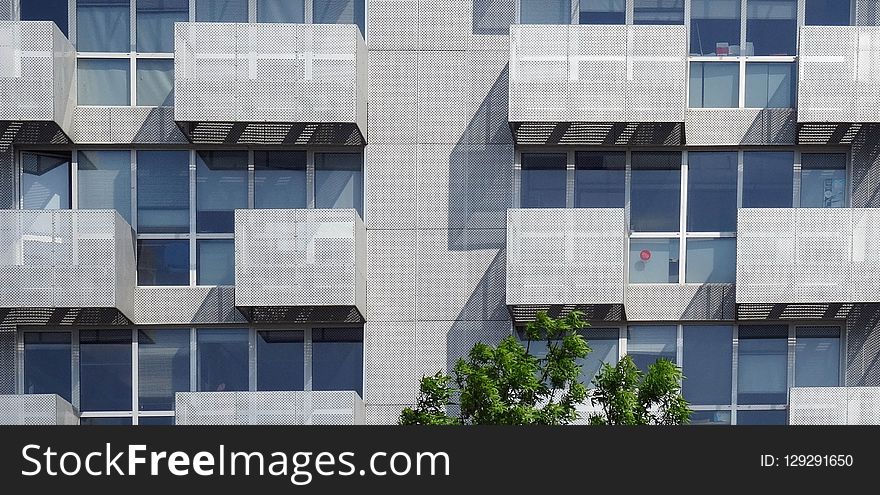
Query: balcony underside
[(599, 133), (294, 133), (62, 316), (303, 314), (16, 132), (794, 311)]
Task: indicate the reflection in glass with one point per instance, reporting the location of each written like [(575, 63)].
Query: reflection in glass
[(653, 261), (707, 359), (658, 12), (221, 10), (102, 26), (105, 370), (339, 181), (774, 417), (600, 179), (770, 85), (216, 262), (45, 10), (162, 262), (163, 367), (828, 12), (817, 357), (222, 359), (292, 11), (655, 191), (47, 367), (712, 191), (602, 12), (771, 27), (647, 343), (340, 12), (710, 418), (156, 421), (155, 82), (711, 261), (338, 359), (105, 421), (155, 24), (221, 187), (545, 12), (714, 85), (103, 81), (604, 343), (768, 179), (163, 191), (543, 180), (104, 181), (823, 180), (715, 27), (45, 181), (279, 179), (763, 365), (280, 360)]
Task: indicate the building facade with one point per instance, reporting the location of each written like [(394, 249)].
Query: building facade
[(288, 211)]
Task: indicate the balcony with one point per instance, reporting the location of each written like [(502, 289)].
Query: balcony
[(574, 84), (269, 408), (79, 260), (803, 256), (834, 406), (270, 83), (301, 265), (37, 81), (838, 82), (566, 258), (38, 409)]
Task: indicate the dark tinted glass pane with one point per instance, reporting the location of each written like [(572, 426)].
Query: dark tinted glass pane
[(712, 191), (715, 27), (828, 13), (338, 359), (279, 179), (658, 11), (162, 262), (777, 417), (105, 370), (545, 12), (47, 363), (163, 191), (45, 181), (102, 26), (280, 360), (771, 27), (823, 180), (216, 262), (543, 180), (339, 12), (648, 343), (222, 10), (45, 10), (817, 356), (163, 367), (155, 24), (105, 421), (602, 11), (655, 197), (104, 181), (768, 179), (222, 360), (156, 421), (600, 180), (707, 358), (221, 187), (763, 365)]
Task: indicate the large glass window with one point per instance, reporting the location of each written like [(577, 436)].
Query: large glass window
[(338, 359), (658, 11), (103, 81), (45, 181), (339, 181), (710, 418), (163, 367), (828, 12), (104, 181), (711, 180), (155, 24), (604, 343), (339, 12), (770, 85), (653, 261), (763, 365), (655, 198), (47, 363), (280, 360), (714, 85), (163, 191), (102, 26), (155, 82), (600, 179), (823, 180), (774, 417), (707, 364), (221, 10), (543, 178), (602, 11), (715, 27), (292, 11), (45, 10), (545, 12), (279, 179), (817, 356), (216, 261), (768, 179), (222, 359), (648, 343), (711, 261), (221, 187), (105, 370), (162, 262), (771, 27)]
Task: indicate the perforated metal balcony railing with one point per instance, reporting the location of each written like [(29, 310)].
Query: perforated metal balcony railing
[(74, 259), (36, 409), (566, 257), (269, 408), (301, 264), (37, 81), (597, 84), (808, 255), (834, 406), (270, 83)]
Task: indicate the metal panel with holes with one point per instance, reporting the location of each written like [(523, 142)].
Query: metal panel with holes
[(834, 406), (740, 126), (66, 259), (124, 125), (680, 302), (37, 409), (269, 408), (184, 305)]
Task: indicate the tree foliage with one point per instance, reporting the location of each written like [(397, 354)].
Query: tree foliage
[(629, 397)]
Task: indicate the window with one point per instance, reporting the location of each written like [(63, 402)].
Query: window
[(45, 181), (104, 181), (155, 82), (653, 261), (707, 363), (827, 12), (823, 180), (763, 365), (155, 24), (602, 11), (774, 417), (104, 421), (339, 181), (105, 370), (216, 262), (605, 345), (658, 11), (711, 261), (163, 367), (221, 187), (768, 179), (102, 25), (817, 357), (45, 10), (710, 418), (338, 359), (279, 179), (156, 421), (648, 343), (340, 12), (714, 85), (600, 179), (655, 191), (715, 27), (545, 12), (712, 177), (770, 85), (222, 359), (771, 27), (281, 360), (47, 365), (162, 262), (103, 81), (163, 191), (293, 11), (221, 10), (543, 180)]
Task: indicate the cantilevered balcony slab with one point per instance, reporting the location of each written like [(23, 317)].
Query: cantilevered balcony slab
[(81, 260), (270, 83), (573, 84), (36, 409), (566, 258), (269, 408), (37, 82), (300, 265)]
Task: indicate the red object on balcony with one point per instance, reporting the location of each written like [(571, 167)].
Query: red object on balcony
[(645, 255)]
